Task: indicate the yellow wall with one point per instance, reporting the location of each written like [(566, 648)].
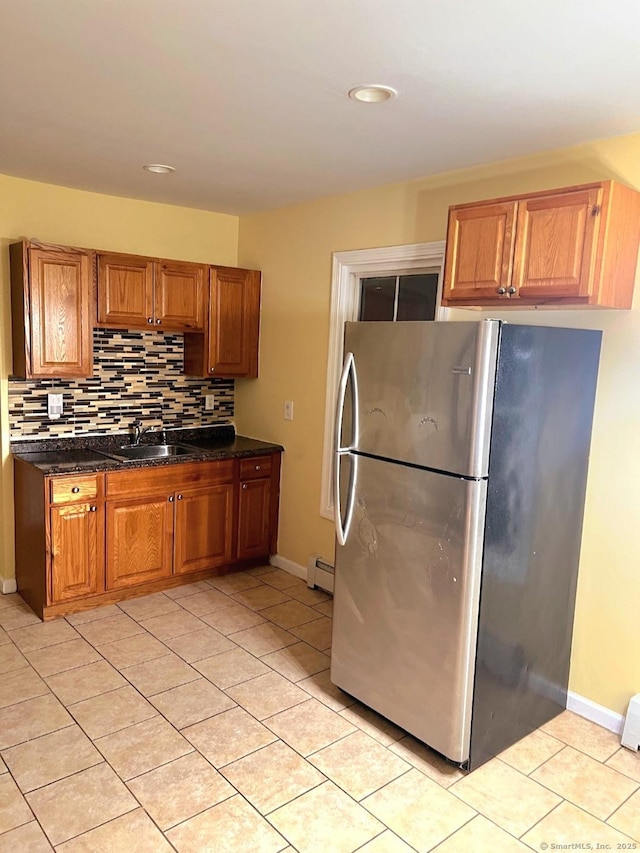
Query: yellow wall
[(75, 218), (293, 247)]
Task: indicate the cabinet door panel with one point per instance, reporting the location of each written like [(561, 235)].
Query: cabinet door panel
[(479, 251), (179, 296), (555, 244), (77, 551), (61, 342), (253, 519), (125, 292), (139, 540), (204, 528), (234, 309)]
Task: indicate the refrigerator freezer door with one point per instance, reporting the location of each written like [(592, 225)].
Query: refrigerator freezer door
[(424, 392), (406, 600)]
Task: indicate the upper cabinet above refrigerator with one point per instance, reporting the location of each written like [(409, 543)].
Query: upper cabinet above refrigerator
[(576, 246)]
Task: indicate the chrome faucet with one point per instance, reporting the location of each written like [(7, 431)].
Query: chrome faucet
[(138, 431)]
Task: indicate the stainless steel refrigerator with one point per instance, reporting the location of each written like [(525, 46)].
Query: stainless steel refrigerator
[(461, 453)]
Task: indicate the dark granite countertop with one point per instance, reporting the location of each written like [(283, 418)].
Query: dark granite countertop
[(91, 453)]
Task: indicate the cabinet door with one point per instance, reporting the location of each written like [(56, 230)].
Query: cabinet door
[(77, 551), (204, 528), (61, 331), (254, 533), (234, 310), (479, 252), (179, 296), (125, 292), (139, 540), (555, 244)]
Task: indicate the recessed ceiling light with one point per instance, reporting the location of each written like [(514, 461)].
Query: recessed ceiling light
[(159, 168), (372, 94)]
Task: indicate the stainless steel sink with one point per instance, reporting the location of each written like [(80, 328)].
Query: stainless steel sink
[(151, 451)]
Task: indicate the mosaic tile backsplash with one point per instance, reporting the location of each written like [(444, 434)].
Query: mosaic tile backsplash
[(136, 375)]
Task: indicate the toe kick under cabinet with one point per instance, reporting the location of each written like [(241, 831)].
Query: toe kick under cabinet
[(84, 540)]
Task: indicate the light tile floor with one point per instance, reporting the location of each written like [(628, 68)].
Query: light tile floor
[(204, 719)]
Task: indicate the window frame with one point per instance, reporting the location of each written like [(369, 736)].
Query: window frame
[(348, 268)]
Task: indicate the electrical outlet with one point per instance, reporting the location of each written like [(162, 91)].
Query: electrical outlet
[(209, 402), (54, 405), (288, 410)]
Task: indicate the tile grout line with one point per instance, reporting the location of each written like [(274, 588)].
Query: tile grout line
[(305, 758)]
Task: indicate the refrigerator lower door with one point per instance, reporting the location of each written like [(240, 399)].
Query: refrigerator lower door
[(406, 595)]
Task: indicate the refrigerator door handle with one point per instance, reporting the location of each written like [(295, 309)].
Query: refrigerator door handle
[(342, 531), (349, 370)]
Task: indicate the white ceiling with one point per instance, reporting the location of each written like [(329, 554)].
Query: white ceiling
[(247, 98)]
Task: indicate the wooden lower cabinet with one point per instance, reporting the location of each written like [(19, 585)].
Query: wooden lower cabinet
[(85, 540), (253, 518), (139, 541), (258, 506), (77, 551), (204, 528)]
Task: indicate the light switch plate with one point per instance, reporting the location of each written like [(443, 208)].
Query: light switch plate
[(288, 410), (209, 402)]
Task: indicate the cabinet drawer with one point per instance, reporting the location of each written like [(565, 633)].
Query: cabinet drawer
[(253, 469), (170, 478), (69, 489)]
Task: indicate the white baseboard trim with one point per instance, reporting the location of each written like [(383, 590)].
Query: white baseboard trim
[(604, 717), (289, 566), (8, 586)]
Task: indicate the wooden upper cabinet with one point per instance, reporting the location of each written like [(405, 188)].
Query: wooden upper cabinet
[(576, 246), (51, 294), (555, 244), (140, 293), (234, 307), (229, 348), (125, 292), (179, 295), (479, 251)]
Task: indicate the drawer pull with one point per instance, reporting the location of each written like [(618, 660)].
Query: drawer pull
[(75, 490), (257, 467)]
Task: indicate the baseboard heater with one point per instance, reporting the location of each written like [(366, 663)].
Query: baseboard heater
[(320, 573)]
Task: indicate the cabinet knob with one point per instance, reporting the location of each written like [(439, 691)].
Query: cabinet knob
[(502, 290), (212, 370), (257, 467), (149, 319), (179, 497), (158, 322), (75, 490), (511, 290), (244, 485), (93, 509), (170, 499)]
